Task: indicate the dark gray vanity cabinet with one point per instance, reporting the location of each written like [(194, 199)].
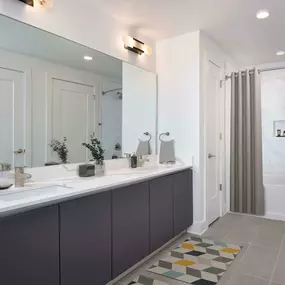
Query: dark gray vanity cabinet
[(183, 201), (130, 226), (29, 247), (92, 240), (161, 211), (85, 240)]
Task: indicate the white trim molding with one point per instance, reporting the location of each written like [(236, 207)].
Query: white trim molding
[(198, 228)]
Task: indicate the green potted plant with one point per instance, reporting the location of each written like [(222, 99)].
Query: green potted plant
[(60, 148), (97, 152)]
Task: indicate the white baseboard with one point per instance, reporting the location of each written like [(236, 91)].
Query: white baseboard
[(275, 216), (198, 228), (269, 215)]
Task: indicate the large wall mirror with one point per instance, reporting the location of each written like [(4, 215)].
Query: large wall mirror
[(52, 88)]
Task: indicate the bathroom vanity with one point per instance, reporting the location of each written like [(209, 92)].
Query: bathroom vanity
[(62, 229), (90, 235)]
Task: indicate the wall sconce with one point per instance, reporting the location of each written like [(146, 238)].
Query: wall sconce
[(136, 46), (28, 2), (43, 3)]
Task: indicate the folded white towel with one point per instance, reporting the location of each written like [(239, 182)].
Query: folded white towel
[(143, 148), (167, 152)]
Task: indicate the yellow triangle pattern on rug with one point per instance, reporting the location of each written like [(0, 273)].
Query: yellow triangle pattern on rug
[(197, 261)]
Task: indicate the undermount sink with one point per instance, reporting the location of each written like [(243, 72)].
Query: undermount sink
[(16, 195)]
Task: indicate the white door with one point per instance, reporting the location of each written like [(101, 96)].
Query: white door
[(212, 142), (12, 117), (73, 117)]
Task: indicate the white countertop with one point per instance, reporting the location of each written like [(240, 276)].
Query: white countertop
[(52, 191)]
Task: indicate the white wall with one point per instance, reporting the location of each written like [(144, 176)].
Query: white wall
[(178, 67), (139, 107), (83, 22), (178, 94), (182, 66), (38, 74)]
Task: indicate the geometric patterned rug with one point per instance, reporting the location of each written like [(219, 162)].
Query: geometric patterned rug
[(143, 280), (197, 261)]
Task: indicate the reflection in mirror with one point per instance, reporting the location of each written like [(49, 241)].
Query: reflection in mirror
[(56, 95), (50, 92)]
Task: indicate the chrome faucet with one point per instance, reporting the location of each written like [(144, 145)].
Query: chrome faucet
[(142, 159)]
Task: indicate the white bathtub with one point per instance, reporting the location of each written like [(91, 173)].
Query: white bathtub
[(274, 196)]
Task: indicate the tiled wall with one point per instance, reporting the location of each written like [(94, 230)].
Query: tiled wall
[(273, 109)]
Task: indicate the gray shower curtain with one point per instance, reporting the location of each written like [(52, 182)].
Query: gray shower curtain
[(246, 174)]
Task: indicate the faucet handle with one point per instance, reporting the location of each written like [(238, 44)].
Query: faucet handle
[(128, 155)]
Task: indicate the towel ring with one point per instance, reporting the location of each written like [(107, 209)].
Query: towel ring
[(148, 134), (163, 134)]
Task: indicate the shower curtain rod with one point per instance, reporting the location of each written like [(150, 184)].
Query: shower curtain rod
[(259, 71)]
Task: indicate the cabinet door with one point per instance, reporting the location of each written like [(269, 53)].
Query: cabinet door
[(161, 211), (85, 240), (130, 216), (183, 201), (29, 248)]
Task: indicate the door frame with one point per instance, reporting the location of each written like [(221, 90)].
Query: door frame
[(219, 62), (11, 63), (51, 75)]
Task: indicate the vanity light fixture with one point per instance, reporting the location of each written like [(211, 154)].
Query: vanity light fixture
[(280, 52), (136, 46), (43, 3), (88, 58), (28, 2), (262, 14)]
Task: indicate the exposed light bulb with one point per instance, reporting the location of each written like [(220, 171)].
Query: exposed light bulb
[(128, 41), (147, 49)]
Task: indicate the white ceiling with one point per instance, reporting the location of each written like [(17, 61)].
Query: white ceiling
[(24, 39), (231, 23)]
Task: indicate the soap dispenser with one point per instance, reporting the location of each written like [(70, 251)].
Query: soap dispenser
[(134, 161)]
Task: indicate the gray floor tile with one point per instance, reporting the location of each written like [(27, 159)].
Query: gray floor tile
[(242, 279), (274, 283), (216, 233), (279, 272), (268, 236), (228, 221), (243, 233), (250, 220), (259, 261), (274, 225), (220, 229)]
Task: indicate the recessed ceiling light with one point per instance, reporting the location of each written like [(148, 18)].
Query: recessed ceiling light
[(262, 14), (280, 52), (86, 57)]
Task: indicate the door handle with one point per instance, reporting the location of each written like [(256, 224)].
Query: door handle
[(211, 155), (19, 151)]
